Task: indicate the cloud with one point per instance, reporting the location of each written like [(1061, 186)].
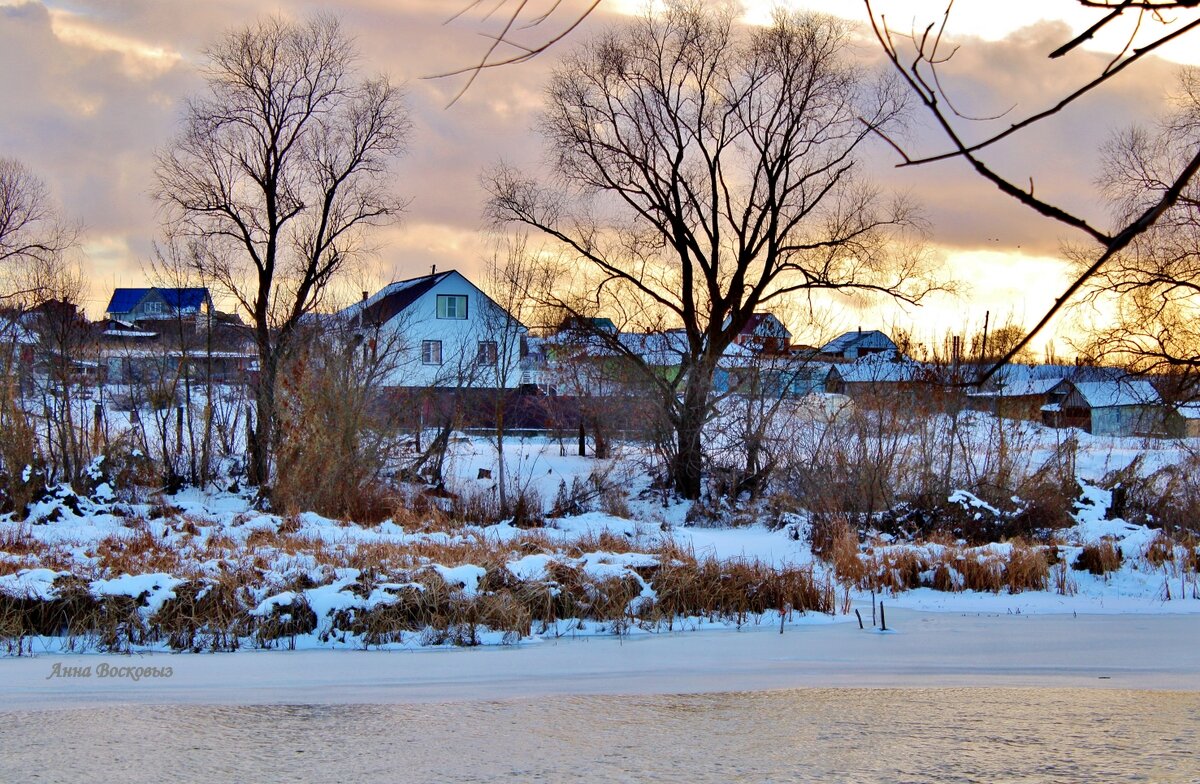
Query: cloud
[(93, 89)]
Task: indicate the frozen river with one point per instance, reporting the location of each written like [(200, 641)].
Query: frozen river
[(983, 734), (947, 697)]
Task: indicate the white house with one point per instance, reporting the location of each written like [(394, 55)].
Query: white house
[(440, 330)]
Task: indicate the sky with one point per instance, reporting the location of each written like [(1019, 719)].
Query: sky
[(92, 88)]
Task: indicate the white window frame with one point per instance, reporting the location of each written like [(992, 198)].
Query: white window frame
[(428, 350), (444, 309)]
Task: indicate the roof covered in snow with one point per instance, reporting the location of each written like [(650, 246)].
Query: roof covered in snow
[(1105, 394), (871, 338), (1189, 410), (1009, 374), (1029, 387), (885, 367)]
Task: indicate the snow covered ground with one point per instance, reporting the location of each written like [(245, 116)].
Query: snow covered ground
[(196, 538)]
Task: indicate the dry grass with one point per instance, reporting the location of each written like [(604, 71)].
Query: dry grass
[(136, 552), (1064, 583), (1178, 551), (1027, 568), (943, 566), (224, 577)]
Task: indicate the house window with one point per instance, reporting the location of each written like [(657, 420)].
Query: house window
[(488, 353), (452, 306), (431, 352), (154, 307)]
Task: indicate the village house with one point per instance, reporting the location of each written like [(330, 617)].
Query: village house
[(1184, 421), (853, 345), (1126, 407), (1020, 399), (764, 334), (1018, 391), (441, 331), (132, 305), (154, 333)]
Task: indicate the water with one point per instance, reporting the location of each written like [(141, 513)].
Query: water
[(988, 735)]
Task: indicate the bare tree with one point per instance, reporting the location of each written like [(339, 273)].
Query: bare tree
[(920, 56), (280, 169), (64, 371), (511, 278), (520, 31), (32, 233), (1154, 284), (710, 169)]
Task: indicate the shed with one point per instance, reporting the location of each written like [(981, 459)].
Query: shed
[(1184, 421)]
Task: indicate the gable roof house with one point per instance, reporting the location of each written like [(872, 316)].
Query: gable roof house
[(155, 332), (441, 331), (1129, 407), (765, 334), (132, 305), (852, 345)]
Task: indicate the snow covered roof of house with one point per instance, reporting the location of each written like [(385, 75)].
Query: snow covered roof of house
[(1027, 387), (1104, 394), (125, 300), (765, 325), (588, 324), (660, 349), (880, 367), (1017, 372), (128, 333), (849, 340), (1189, 410)]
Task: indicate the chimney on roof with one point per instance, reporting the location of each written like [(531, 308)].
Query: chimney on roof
[(365, 297), (433, 269)]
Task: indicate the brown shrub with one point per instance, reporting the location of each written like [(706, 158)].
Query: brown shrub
[(898, 569), (1099, 559), (843, 552), (285, 621), (1160, 550)]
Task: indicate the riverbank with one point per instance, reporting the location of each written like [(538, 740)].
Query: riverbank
[(924, 650)]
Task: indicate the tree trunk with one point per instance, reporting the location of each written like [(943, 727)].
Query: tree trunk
[(500, 478), (260, 447), (687, 472)]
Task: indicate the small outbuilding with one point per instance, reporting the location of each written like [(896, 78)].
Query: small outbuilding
[(1184, 421)]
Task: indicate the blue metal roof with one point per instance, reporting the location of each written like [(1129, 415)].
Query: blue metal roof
[(125, 300)]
